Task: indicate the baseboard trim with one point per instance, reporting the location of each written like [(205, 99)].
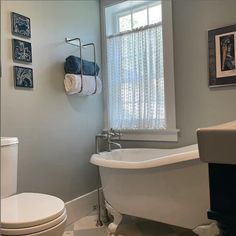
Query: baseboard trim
[(80, 207)]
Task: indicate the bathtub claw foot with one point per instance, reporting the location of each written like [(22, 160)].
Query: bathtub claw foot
[(207, 230), (112, 227)]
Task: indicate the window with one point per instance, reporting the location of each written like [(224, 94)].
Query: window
[(140, 90), (147, 15), (140, 18), (125, 23), (155, 14)]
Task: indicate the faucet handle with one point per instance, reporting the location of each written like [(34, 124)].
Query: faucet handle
[(112, 132), (104, 134), (115, 133)]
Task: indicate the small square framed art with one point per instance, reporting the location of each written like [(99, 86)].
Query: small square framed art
[(22, 51), (20, 25), (23, 77)]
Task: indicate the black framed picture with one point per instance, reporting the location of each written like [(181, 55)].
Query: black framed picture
[(222, 55), (23, 77), (20, 25), (22, 51)]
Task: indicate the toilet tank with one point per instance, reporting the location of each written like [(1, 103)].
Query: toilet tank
[(9, 158)]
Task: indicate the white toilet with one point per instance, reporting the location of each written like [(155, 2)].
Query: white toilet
[(28, 214)]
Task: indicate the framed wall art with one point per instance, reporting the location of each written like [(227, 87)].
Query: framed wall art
[(222, 55), (20, 25), (23, 77), (22, 51)]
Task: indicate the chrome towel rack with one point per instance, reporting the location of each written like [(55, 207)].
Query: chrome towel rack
[(78, 43)]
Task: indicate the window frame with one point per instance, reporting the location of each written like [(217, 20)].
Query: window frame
[(170, 134)]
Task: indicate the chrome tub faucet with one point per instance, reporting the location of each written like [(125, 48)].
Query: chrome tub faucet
[(108, 136)]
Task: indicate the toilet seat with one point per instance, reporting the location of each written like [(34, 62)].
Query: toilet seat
[(29, 213)]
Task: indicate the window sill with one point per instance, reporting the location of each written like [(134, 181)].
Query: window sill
[(170, 135)]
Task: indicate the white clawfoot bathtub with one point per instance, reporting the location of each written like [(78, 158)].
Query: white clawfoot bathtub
[(164, 185)]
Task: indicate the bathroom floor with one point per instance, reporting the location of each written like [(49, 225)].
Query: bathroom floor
[(129, 227)]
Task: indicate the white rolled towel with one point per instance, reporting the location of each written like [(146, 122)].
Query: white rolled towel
[(73, 83)]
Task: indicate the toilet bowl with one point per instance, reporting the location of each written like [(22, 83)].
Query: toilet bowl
[(28, 214)]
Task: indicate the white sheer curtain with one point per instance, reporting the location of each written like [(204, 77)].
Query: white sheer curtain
[(136, 79)]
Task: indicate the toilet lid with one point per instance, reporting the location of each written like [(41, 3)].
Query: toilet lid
[(36, 229), (29, 209)]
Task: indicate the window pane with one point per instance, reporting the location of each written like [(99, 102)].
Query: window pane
[(125, 23), (155, 14), (140, 18)]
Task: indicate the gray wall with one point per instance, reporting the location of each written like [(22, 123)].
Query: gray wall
[(56, 131), (196, 104)]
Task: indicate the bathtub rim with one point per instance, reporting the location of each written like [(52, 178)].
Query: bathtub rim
[(97, 159)]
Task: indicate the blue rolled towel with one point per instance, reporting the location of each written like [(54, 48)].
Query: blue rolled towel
[(72, 66)]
